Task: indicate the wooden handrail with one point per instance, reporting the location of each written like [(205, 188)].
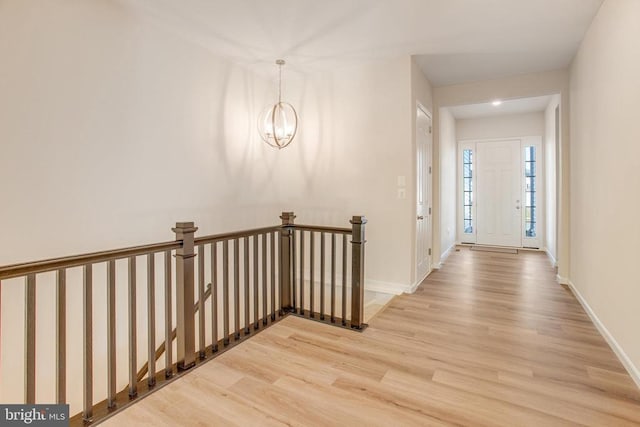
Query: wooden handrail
[(234, 235), (24, 269), (337, 230)]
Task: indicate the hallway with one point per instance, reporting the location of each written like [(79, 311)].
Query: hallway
[(490, 339)]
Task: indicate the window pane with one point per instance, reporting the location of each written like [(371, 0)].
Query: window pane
[(467, 184), (530, 183), (467, 212), (530, 229), (466, 156), (530, 154), (467, 226), (530, 198), (467, 198), (467, 170)]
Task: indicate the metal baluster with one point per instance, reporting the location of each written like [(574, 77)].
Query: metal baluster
[(111, 334), (302, 272), (201, 331), (264, 279), (256, 284), (225, 292), (168, 317), (151, 316), (322, 268), (30, 340), (344, 280), (333, 277), (236, 283), (273, 276), (133, 354), (214, 297), (87, 332), (61, 332), (247, 308), (312, 265)]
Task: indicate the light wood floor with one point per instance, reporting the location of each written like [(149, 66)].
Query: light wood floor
[(490, 339)]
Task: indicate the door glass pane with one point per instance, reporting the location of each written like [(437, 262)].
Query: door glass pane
[(530, 208), (467, 198), (467, 184)]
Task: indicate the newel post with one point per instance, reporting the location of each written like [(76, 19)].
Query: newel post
[(357, 271), (185, 313), (285, 261)]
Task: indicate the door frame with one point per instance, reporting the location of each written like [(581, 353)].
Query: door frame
[(526, 242), (429, 201)]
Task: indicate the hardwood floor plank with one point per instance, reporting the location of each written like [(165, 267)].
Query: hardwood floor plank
[(488, 340)]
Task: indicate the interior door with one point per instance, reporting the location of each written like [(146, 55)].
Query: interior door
[(498, 206), (423, 197)]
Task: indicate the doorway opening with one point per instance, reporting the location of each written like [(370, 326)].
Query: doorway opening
[(505, 167)]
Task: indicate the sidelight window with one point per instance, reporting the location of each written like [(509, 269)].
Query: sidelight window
[(467, 187), (530, 170)]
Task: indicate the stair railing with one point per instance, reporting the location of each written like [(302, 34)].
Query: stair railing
[(256, 278)]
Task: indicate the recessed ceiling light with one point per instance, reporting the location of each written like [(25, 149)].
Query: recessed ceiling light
[(496, 103)]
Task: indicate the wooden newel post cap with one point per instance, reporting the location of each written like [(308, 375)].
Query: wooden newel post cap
[(358, 219), (183, 228), (287, 218)]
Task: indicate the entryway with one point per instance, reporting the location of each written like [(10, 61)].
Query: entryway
[(501, 187)]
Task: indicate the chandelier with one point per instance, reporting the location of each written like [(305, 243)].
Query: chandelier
[(278, 124)]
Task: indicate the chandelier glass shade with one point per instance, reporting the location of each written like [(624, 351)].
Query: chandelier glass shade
[(278, 124)]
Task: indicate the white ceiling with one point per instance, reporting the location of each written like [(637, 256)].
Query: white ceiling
[(511, 106), (454, 40)]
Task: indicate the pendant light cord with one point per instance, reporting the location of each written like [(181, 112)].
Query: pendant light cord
[(280, 84)]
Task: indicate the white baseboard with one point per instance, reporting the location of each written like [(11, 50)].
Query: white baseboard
[(562, 280), (633, 370), (389, 287), (551, 257), (444, 256), (369, 285)]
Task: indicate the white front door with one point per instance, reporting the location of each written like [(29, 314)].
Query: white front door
[(498, 207), (423, 196)]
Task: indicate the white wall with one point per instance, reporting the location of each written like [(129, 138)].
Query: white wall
[(550, 146), (605, 159), (503, 126), (113, 129), (364, 143), (536, 84), (448, 186)]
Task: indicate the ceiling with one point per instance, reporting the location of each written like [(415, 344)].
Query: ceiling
[(511, 106), (454, 41)]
